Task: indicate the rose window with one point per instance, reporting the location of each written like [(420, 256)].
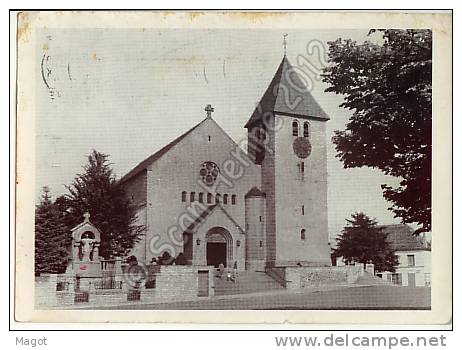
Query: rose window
[(209, 172)]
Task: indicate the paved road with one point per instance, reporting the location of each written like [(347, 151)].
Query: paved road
[(352, 298)]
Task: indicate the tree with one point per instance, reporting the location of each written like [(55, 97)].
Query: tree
[(363, 242), (52, 238), (96, 191), (388, 88)]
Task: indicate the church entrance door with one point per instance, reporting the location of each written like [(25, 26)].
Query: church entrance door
[(219, 247), (216, 253)]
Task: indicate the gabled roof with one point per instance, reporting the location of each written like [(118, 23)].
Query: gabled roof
[(401, 237), (152, 158), (210, 209), (287, 94), (255, 192), (84, 223)]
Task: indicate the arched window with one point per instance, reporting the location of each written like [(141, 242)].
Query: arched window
[(183, 196), (225, 199), (306, 130), (217, 198), (233, 199), (303, 234), (209, 198), (191, 196), (260, 133), (201, 197), (295, 128)]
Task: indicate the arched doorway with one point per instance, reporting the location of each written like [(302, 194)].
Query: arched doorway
[(219, 246)]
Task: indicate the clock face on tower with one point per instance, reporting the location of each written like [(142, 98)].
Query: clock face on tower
[(302, 147)]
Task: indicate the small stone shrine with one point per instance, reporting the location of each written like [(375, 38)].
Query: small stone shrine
[(85, 249)]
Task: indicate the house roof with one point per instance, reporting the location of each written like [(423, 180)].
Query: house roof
[(152, 158), (401, 237), (255, 192), (208, 211), (287, 94)]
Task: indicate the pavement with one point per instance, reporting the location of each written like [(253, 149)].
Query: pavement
[(352, 297)]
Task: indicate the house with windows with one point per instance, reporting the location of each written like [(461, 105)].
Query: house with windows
[(414, 256)]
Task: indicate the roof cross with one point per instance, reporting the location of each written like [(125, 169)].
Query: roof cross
[(209, 109)]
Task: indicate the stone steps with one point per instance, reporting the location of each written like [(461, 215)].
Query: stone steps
[(246, 282), (370, 280)]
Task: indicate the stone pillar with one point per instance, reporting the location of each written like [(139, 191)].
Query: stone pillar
[(75, 251), (91, 291), (118, 273), (255, 240), (95, 256)]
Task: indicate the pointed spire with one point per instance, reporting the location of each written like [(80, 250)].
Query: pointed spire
[(285, 44), (287, 95)]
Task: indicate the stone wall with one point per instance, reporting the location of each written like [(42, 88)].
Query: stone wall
[(255, 247), (45, 290), (306, 277), (268, 187), (180, 282), (173, 283), (135, 189), (53, 290)]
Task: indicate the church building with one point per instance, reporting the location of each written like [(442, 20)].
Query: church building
[(204, 196)]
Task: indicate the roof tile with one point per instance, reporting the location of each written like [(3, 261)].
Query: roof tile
[(287, 94), (401, 237)]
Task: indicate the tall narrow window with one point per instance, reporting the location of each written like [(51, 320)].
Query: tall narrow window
[(183, 196), (396, 278), (217, 198), (259, 218), (302, 167), (295, 128), (306, 130), (410, 260), (303, 234), (225, 199), (201, 197), (233, 199), (192, 196), (209, 198), (261, 244), (303, 210)]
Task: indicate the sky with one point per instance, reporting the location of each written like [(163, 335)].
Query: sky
[(128, 92)]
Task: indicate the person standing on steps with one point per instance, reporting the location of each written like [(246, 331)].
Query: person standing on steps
[(235, 271), (221, 269)]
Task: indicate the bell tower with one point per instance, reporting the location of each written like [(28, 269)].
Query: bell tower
[(287, 138)]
